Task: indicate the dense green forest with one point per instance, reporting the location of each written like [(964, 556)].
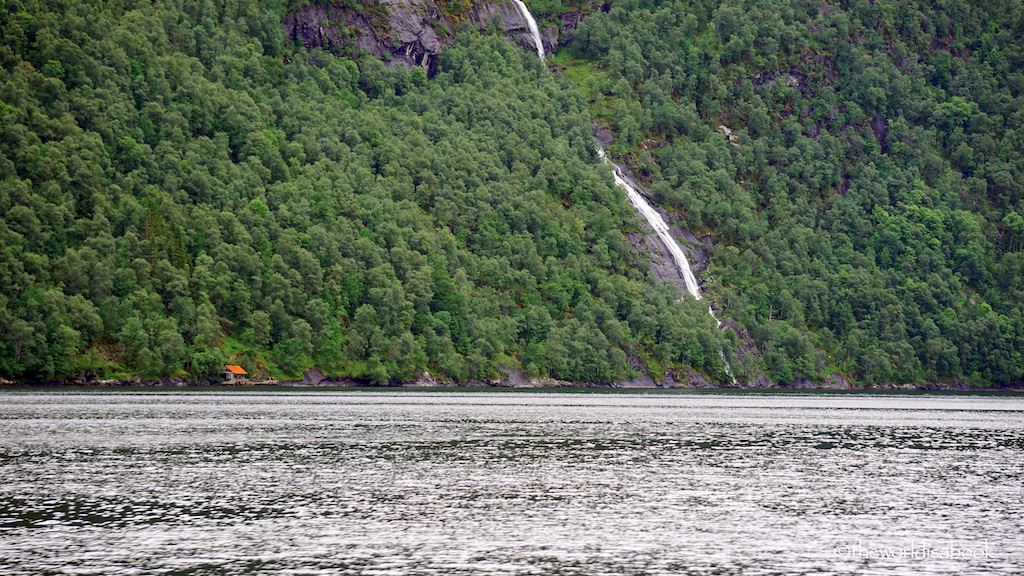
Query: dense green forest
[(182, 186), (867, 209)]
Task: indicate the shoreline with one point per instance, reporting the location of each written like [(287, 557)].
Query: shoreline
[(352, 385)]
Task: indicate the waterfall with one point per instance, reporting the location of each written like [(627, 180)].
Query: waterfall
[(652, 216), (534, 30), (661, 228)]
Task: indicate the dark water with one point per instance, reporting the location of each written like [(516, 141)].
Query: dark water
[(509, 483)]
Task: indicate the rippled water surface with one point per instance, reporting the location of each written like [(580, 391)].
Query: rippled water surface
[(410, 483)]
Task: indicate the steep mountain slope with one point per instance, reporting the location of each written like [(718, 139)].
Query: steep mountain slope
[(859, 164), (183, 185), (394, 187)]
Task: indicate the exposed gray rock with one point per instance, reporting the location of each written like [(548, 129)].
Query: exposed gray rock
[(746, 351), (662, 265), (515, 378), (552, 383), (603, 135), (649, 244), (402, 32), (664, 268), (313, 377), (637, 363), (507, 16), (802, 384), (880, 126), (406, 32), (687, 379), (426, 380), (570, 21), (549, 38), (837, 382)]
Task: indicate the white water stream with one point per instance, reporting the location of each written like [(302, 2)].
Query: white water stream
[(660, 228), (653, 217), (534, 30)]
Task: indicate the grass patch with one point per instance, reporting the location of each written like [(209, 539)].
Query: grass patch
[(595, 82)]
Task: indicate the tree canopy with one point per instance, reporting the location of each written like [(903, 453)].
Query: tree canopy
[(183, 185), (867, 205)]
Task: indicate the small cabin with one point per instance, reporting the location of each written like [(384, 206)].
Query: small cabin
[(234, 372)]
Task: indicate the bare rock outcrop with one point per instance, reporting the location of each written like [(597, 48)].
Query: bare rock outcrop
[(407, 32)]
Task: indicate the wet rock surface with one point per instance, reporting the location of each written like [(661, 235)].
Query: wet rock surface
[(410, 32)]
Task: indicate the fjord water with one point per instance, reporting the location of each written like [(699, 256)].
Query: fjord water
[(411, 483)]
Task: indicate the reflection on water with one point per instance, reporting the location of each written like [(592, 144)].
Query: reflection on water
[(508, 483)]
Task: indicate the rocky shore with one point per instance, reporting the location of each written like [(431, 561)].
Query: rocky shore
[(683, 380)]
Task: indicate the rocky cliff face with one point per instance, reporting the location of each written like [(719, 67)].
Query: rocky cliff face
[(409, 32)]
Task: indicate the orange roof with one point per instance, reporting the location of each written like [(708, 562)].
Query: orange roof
[(235, 369)]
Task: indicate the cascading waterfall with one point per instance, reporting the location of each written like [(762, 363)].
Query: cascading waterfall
[(661, 228), (652, 216), (534, 30)]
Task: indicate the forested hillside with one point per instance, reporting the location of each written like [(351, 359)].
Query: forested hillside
[(182, 183), (866, 208), (182, 186)]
